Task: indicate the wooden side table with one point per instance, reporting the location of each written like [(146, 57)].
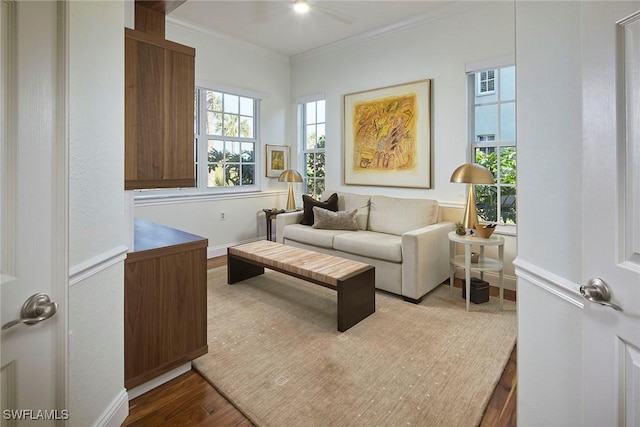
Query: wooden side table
[(269, 215), (483, 264)]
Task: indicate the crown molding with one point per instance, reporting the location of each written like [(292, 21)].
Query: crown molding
[(451, 9), (189, 26)]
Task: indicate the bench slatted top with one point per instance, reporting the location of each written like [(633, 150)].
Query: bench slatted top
[(314, 265)]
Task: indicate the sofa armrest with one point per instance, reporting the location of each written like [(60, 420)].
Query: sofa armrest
[(425, 259), (286, 219)]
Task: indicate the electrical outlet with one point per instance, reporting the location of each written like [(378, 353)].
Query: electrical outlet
[(222, 216)]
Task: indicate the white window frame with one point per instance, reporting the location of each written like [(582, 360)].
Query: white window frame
[(486, 79), (477, 141), (201, 191), (486, 137), (302, 136)]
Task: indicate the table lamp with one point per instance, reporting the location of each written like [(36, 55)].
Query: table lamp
[(290, 176), (471, 173)]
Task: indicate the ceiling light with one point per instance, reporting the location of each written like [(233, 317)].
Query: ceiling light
[(300, 6)]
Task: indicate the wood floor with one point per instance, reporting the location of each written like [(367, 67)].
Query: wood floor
[(189, 400)]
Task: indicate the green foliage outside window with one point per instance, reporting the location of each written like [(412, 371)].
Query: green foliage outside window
[(313, 147), (230, 162), (315, 171), (487, 196), (224, 173)]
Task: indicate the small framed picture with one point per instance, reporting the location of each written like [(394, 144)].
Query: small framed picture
[(277, 160)]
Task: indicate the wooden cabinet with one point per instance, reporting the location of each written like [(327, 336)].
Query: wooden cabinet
[(165, 301), (159, 112)]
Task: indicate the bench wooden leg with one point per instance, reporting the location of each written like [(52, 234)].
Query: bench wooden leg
[(356, 298), (239, 269)]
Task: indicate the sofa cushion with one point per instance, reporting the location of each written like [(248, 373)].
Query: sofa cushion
[(341, 220), (331, 203), (350, 201), (394, 215), (387, 247), (311, 236)]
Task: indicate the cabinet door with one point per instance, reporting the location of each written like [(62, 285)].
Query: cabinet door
[(159, 113), (165, 313), (141, 317), (183, 302), (179, 118), (144, 97)]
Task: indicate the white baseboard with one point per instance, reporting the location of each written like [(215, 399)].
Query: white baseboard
[(115, 415), (158, 381), (216, 251)]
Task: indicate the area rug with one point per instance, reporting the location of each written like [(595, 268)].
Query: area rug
[(274, 352)]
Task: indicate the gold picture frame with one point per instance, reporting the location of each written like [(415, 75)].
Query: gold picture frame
[(277, 160), (387, 136)]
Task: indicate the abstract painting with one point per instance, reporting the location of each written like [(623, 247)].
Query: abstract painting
[(387, 136)]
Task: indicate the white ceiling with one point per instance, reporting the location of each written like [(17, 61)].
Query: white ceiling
[(272, 24)]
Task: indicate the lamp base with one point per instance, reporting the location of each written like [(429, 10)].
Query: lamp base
[(291, 202), (470, 211)]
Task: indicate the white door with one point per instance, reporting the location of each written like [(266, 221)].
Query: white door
[(32, 211), (611, 219)]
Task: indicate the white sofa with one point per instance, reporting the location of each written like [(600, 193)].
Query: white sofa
[(404, 239)]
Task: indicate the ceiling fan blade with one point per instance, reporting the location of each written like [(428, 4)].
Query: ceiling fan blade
[(331, 14)]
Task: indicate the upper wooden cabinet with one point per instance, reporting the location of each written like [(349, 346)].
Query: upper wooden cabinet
[(159, 112)]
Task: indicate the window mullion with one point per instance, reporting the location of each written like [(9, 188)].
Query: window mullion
[(203, 141)]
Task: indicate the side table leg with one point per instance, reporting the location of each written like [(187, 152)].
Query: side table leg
[(501, 280), (501, 258), (452, 267), (268, 215), (467, 272)]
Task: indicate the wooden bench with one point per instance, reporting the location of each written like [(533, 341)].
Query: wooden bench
[(354, 281)]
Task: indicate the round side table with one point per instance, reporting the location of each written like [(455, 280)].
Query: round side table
[(483, 264)]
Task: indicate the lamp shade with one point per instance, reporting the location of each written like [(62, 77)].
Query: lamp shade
[(290, 175), (471, 173)]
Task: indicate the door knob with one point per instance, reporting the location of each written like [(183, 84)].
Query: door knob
[(596, 290), (36, 308)]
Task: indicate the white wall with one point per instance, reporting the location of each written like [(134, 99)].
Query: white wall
[(96, 212), (549, 120), (227, 62)]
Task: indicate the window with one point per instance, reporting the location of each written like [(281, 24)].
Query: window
[(493, 142), (486, 82), (226, 140), (312, 122), (486, 138)]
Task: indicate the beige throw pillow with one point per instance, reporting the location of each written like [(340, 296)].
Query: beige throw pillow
[(341, 220)]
